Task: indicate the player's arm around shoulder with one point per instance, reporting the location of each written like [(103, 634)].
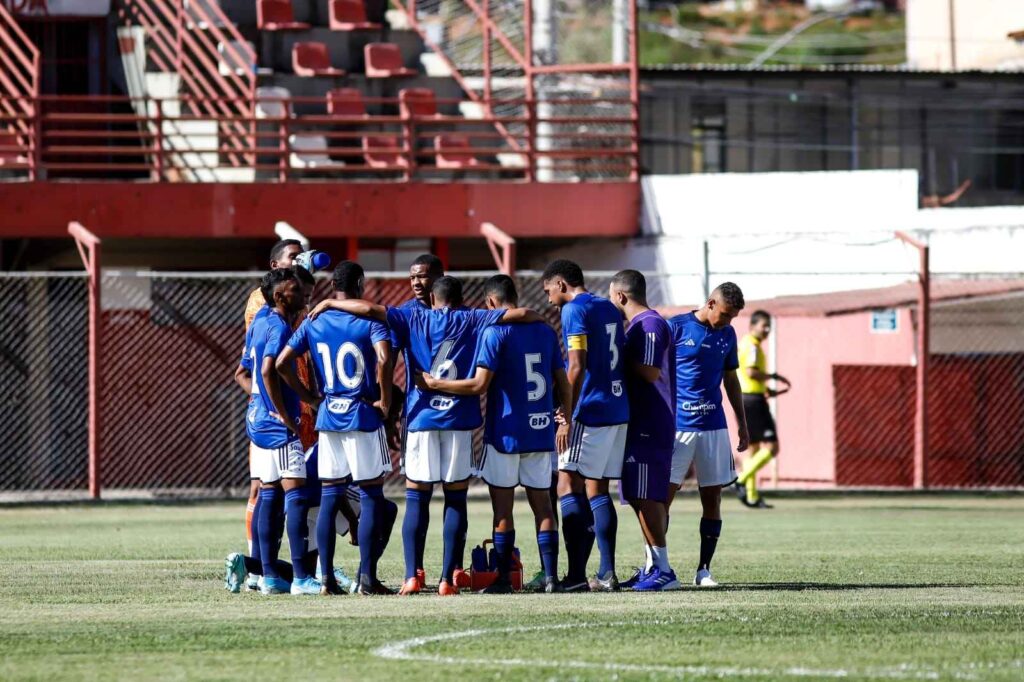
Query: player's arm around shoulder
[(353, 306)]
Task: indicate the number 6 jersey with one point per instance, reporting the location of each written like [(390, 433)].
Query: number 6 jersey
[(345, 364)]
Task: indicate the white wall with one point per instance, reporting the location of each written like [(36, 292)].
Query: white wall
[(980, 28)]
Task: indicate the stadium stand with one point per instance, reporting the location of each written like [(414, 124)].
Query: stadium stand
[(350, 15), (311, 59), (384, 60)]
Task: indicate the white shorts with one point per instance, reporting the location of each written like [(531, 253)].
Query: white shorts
[(595, 451), (711, 454), (273, 464), (438, 456), (528, 469), (363, 455)]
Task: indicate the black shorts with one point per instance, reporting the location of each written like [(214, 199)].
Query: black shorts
[(760, 423)]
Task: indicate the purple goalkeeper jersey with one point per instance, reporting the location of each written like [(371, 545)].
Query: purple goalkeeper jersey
[(652, 414)]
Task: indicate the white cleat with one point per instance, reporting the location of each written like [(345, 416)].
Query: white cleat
[(704, 579)]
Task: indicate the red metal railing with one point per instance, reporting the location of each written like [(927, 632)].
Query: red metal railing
[(284, 148), (186, 41), (19, 79)]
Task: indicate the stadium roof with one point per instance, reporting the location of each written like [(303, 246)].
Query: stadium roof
[(901, 295), (901, 69)]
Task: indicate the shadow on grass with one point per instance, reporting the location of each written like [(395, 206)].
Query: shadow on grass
[(836, 587)]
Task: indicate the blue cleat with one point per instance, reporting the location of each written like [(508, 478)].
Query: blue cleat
[(306, 586), (270, 585), (658, 581), (340, 577), (638, 575), (252, 583), (234, 573)]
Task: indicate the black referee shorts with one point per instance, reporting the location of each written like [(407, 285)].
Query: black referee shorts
[(760, 423)]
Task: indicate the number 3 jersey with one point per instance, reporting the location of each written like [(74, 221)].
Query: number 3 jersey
[(594, 324), (443, 343), (524, 359), (345, 364)]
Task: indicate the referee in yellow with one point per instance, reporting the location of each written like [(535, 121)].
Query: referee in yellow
[(754, 377)]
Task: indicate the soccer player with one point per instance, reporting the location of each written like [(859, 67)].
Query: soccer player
[(352, 361), (754, 378), (439, 439), (272, 423), (599, 411), (650, 385), (705, 349), (519, 367)]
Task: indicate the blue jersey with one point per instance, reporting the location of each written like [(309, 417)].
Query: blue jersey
[(443, 343), (703, 355), (345, 365), (602, 400), (520, 401), (269, 335)]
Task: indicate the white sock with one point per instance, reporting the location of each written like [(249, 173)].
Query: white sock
[(660, 558), (649, 564)]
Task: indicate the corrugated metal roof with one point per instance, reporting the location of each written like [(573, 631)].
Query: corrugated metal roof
[(901, 69), (899, 296)]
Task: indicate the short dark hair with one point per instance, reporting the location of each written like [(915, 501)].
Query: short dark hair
[(566, 269), (448, 290), (277, 249), (759, 316), (730, 294), (502, 288), (347, 276), (632, 283), (273, 279), (303, 275), (433, 263)]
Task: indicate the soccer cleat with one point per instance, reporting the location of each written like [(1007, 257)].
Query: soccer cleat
[(761, 504), (234, 572), (638, 575), (306, 586), (498, 587), (461, 578), (252, 583), (421, 576), (604, 583), (381, 590), (339, 576), (741, 493), (551, 586), (330, 588), (411, 586), (536, 583), (568, 585), (270, 585), (658, 581), (447, 589), (704, 579)]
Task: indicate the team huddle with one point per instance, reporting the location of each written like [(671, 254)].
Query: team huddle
[(625, 396)]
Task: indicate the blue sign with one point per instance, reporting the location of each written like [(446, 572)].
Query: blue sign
[(886, 321)]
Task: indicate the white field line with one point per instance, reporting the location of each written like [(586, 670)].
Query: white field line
[(404, 651)]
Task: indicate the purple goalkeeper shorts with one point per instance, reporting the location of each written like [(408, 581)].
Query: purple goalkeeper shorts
[(645, 474)]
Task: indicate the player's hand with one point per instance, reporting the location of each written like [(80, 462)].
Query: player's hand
[(560, 417), (321, 307), (383, 407), (744, 439), (394, 435), (424, 381), (562, 436)]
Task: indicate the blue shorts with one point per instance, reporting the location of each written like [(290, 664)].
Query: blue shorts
[(646, 474)]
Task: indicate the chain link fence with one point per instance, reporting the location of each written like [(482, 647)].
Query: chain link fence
[(172, 417)]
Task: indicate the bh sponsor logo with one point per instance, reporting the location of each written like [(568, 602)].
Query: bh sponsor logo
[(441, 403), (540, 420), (616, 388), (339, 405)]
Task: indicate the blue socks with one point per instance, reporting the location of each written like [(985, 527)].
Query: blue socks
[(387, 524), (414, 528), (295, 508), (504, 543), (371, 502), (326, 528), (547, 541), (606, 526), (267, 527), (455, 525), (710, 530), (255, 526), (574, 524)]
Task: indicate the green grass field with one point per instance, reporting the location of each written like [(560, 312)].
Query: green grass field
[(862, 588)]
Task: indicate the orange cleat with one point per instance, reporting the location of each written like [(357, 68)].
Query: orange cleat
[(446, 589), (421, 576), (461, 578), (409, 587)]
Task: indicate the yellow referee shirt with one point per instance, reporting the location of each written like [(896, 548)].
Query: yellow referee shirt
[(751, 355)]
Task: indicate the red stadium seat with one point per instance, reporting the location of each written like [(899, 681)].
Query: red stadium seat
[(346, 103), (350, 15), (311, 59), (380, 152), (454, 152), (277, 15), (384, 60), (417, 102)]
